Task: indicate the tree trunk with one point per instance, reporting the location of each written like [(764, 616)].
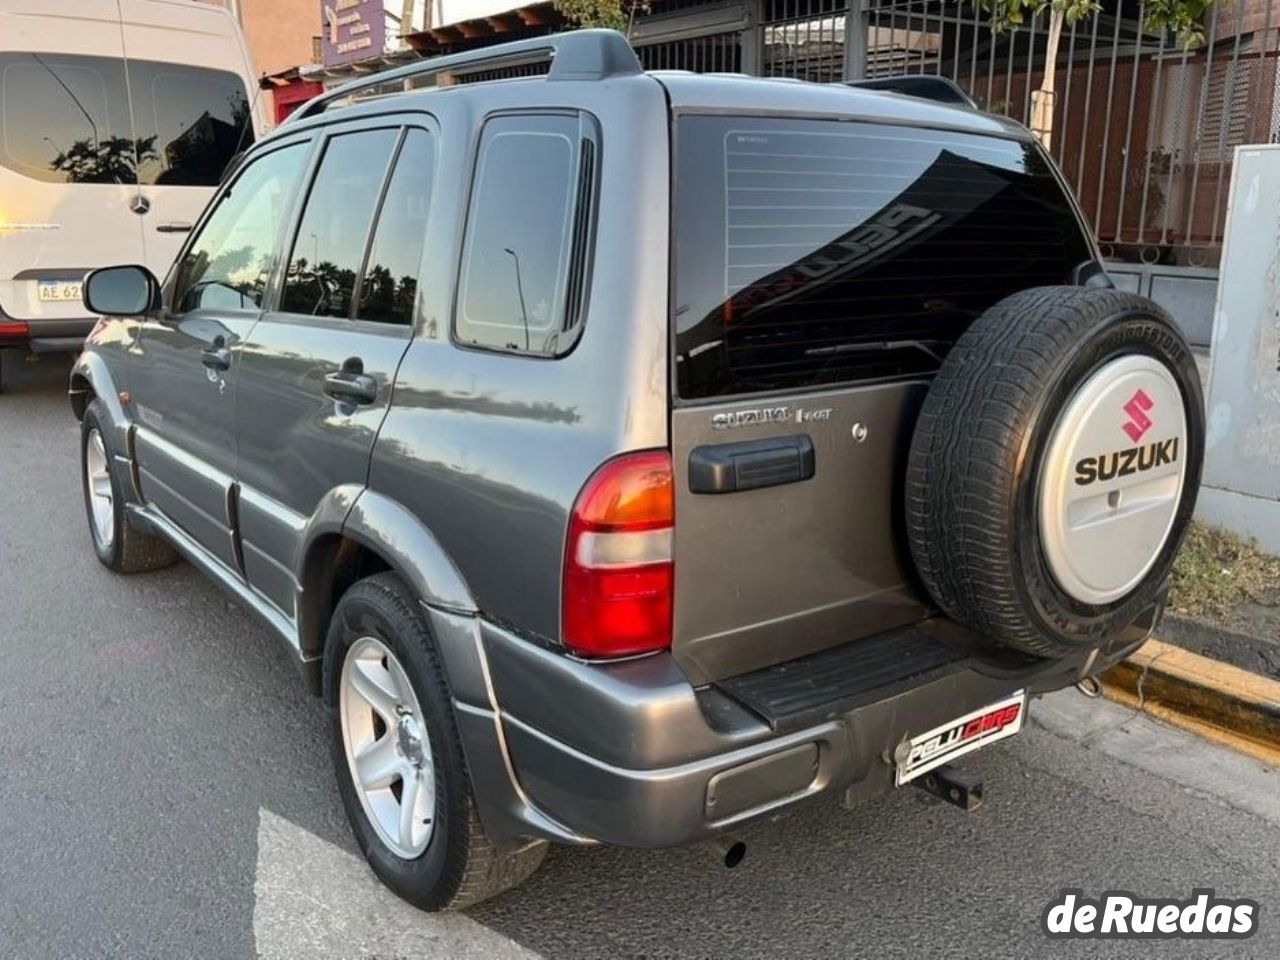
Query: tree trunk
[(1042, 99)]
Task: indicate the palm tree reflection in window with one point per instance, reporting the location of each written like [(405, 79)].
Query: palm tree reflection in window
[(110, 160)]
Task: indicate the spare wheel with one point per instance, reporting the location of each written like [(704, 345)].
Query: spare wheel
[(1054, 467)]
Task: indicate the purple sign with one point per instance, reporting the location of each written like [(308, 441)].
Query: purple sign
[(353, 30)]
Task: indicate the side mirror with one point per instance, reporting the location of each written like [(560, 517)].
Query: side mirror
[(121, 291)]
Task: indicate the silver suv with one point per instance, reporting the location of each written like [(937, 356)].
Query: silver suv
[(625, 456)]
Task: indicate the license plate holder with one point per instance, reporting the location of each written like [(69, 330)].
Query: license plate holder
[(955, 738), (59, 291)]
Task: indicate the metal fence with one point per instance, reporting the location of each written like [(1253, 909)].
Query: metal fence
[(1143, 129), (804, 38), (712, 53)]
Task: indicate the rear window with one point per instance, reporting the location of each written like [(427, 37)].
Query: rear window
[(66, 119), (823, 252)]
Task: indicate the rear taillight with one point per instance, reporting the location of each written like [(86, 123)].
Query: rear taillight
[(13, 328), (618, 570)]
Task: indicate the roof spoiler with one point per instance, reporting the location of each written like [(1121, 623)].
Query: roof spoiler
[(577, 55), (938, 89)]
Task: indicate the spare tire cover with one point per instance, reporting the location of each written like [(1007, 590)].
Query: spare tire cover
[(1054, 467)]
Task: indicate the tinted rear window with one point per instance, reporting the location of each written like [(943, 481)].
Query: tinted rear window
[(822, 252), (66, 119)]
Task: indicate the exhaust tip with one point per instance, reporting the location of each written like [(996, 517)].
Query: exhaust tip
[(735, 854), (730, 851), (1090, 687)]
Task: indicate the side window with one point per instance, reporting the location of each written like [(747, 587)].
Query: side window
[(524, 261), (390, 283), (329, 247), (229, 262)]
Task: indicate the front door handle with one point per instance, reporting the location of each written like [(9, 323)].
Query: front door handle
[(351, 384), (216, 357)]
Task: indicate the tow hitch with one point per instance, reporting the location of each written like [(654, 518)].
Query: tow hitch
[(952, 785)]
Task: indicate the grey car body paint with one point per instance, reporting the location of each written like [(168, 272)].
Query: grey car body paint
[(475, 458)]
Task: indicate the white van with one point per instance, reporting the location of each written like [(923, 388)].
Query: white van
[(117, 119)]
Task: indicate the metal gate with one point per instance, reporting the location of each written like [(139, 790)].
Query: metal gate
[(1143, 129)]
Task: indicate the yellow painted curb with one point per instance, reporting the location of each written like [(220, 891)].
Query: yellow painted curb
[(1228, 705)]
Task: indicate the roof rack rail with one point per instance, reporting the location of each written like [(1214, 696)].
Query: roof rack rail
[(577, 55), (939, 89)]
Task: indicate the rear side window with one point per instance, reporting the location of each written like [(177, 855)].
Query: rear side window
[(525, 261), (328, 249), (823, 252), (66, 119)]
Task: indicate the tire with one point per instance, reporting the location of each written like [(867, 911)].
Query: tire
[(1029, 517), (459, 865), (118, 545)]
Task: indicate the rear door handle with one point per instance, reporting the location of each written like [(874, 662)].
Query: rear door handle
[(175, 227), (751, 464), (216, 358), (351, 384)]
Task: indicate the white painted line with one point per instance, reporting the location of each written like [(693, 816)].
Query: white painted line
[(315, 900)]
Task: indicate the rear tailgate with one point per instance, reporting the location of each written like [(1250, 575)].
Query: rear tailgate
[(822, 271)]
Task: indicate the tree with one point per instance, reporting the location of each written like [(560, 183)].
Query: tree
[(614, 14), (1183, 17)]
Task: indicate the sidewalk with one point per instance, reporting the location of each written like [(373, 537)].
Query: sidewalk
[(1215, 667)]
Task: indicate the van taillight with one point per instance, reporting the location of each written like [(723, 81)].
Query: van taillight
[(618, 569)]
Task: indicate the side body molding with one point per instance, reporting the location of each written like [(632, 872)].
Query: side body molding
[(382, 524)]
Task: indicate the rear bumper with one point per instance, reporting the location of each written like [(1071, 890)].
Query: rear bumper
[(631, 754), (45, 336)]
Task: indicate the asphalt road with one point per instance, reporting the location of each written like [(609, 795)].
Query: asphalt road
[(165, 791)]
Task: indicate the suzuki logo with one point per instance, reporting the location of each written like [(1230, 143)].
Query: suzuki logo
[(1139, 423)]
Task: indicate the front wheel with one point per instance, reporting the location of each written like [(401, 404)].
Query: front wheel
[(398, 757), (118, 545)]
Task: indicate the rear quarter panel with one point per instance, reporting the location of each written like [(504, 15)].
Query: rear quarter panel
[(490, 450)]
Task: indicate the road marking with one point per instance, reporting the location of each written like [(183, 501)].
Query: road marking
[(313, 899)]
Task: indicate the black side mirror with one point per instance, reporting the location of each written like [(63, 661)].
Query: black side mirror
[(121, 291)]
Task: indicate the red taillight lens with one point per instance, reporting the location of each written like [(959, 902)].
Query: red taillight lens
[(13, 328), (618, 570)]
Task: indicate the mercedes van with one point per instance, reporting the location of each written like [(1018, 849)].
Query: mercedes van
[(117, 119)]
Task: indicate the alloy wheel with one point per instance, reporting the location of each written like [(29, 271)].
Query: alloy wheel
[(388, 750)]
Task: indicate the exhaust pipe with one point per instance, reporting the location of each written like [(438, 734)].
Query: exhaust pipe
[(1090, 687), (730, 851)]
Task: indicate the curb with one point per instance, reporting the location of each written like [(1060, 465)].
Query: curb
[(1222, 702)]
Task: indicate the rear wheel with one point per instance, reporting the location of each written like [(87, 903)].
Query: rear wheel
[(1055, 466), (398, 758), (118, 545)]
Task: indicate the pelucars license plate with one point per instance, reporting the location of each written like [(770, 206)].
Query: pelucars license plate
[(963, 735), (58, 291)]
